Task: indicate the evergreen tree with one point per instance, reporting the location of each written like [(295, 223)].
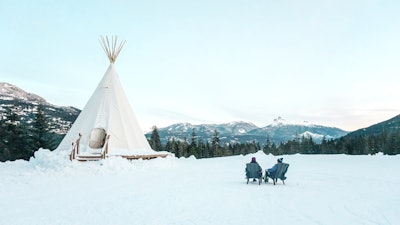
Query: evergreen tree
[(324, 146), (373, 148), (193, 145), (200, 149), (226, 150), (4, 153), (206, 151), (294, 146), (391, 145), (215, 145), (269, 148), (307, 146), (14, 137), (171, 146), (175, 148), (258, 146), (168, 146), (183, 148), (273, 149), (40, 133), (155, 141), (235, 148), (251, 147), (281, 149)]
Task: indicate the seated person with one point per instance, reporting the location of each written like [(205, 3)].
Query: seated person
[(253, 160), (271, 171)]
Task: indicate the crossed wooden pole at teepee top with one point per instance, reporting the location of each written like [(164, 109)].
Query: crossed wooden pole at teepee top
[(110, 47)]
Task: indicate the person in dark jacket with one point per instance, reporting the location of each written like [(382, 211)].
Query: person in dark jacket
[(272, 171)]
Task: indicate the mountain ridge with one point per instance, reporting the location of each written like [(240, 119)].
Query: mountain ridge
[(242, 132), (389, 125), (25, 104)]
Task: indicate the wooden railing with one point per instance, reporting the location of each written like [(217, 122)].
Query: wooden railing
[(75, 148), (104, 152)]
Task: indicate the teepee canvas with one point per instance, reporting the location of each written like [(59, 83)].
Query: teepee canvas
[(108, 111)]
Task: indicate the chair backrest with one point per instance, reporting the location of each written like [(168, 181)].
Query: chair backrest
[(97, 138), (253, 170), (281, 171)]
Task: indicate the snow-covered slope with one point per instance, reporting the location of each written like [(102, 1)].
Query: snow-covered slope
[(320, 189), (25, 105), (11, 92)]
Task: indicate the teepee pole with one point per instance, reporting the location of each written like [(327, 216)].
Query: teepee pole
[(111, 49)]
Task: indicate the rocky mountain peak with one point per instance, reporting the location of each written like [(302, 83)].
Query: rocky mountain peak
[(11, 92)]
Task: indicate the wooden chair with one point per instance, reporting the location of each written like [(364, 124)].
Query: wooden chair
[(279, 173), (253, 170), (98, 140)]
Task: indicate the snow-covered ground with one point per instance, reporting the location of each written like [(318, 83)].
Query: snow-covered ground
[(320, 189)]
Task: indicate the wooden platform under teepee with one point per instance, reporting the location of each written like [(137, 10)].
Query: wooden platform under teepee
[(86, 158), (103, 154), (132, 157)]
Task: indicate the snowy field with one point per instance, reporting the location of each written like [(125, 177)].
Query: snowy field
[(320, 189)]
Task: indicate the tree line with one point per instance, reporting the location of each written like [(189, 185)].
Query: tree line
[(200, 148), (386, 142), (19, 139)]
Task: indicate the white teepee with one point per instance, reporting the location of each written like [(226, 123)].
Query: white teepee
[(108, 109)]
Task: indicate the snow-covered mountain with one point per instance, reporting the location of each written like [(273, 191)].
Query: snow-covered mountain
[(11, 92), (388, 126), (227, 132), (234, 128), (239, 131), (25, 105), (282, 131)]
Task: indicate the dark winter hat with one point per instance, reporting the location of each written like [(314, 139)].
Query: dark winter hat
[(253, 159), (280, 160)]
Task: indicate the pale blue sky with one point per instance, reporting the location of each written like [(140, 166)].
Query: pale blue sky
[(333, 63)]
